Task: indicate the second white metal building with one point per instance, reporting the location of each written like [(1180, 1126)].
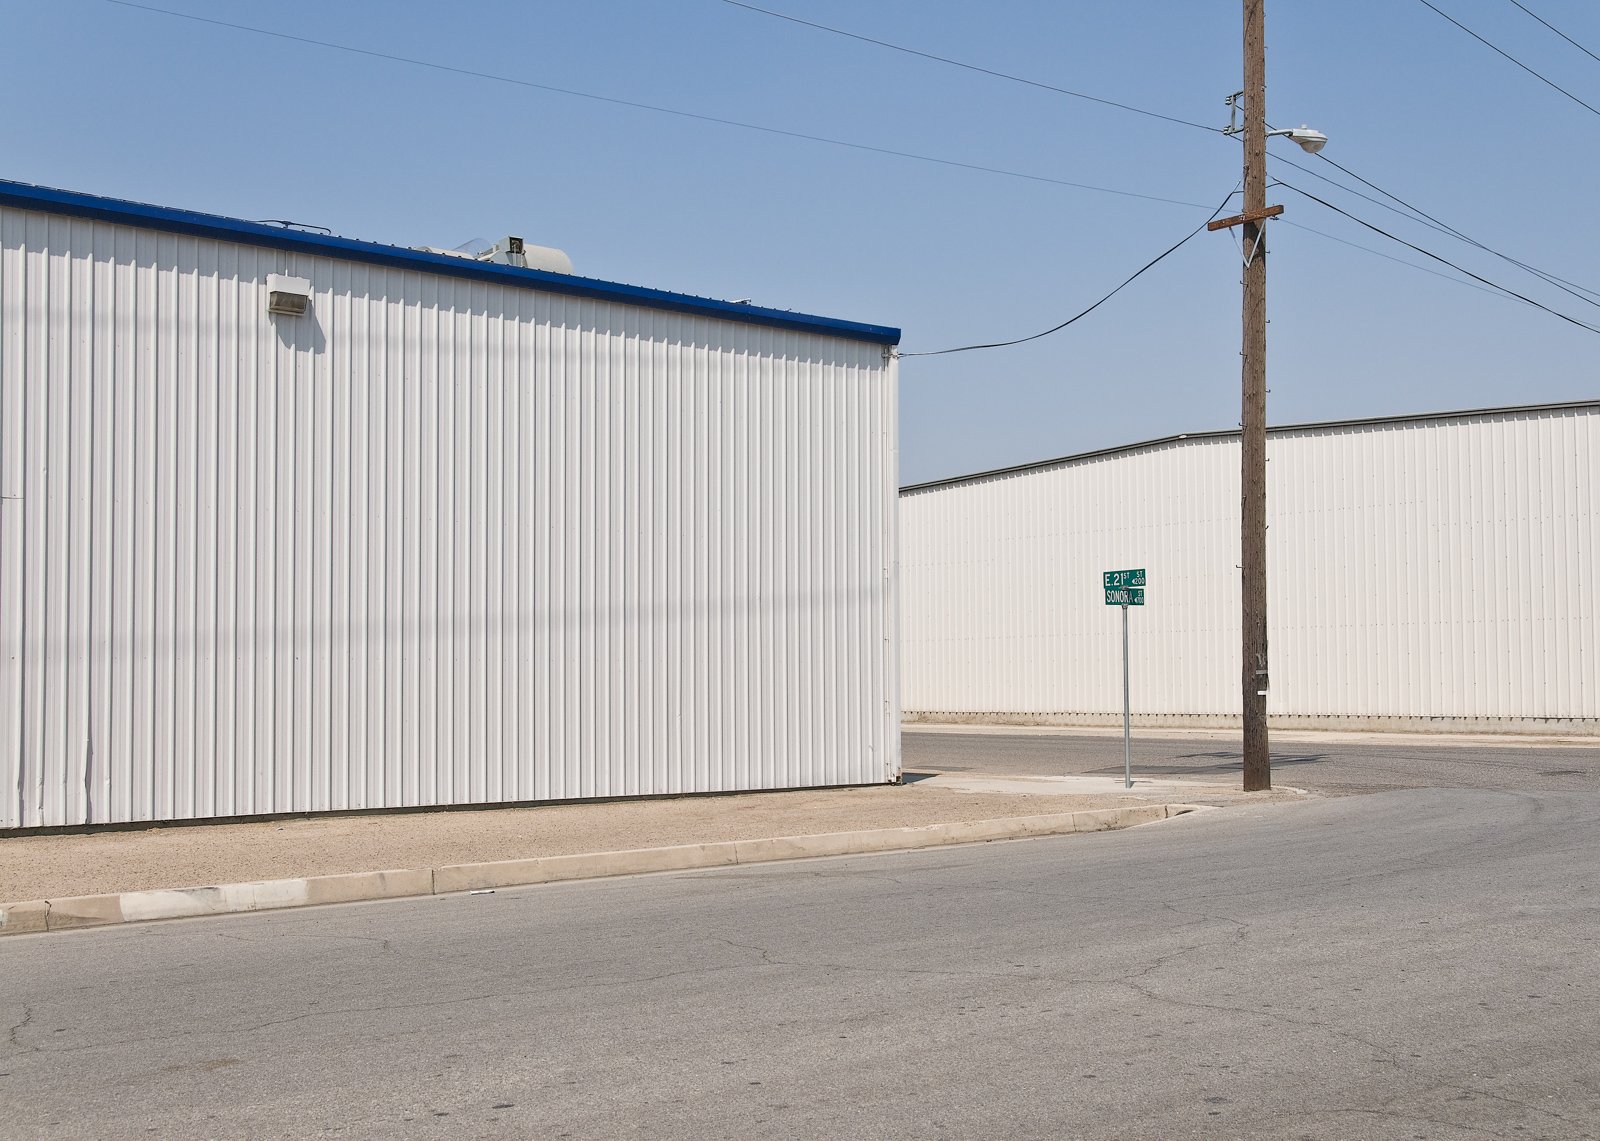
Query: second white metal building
[(1434, 571)]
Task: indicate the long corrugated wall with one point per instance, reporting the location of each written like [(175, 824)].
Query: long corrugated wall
[(436, 542), (1426, 572)]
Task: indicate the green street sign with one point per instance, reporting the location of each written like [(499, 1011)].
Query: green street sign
[(1117, 580), (1125, 596)]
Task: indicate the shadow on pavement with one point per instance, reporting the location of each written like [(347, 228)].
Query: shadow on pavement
[(1232, 762)]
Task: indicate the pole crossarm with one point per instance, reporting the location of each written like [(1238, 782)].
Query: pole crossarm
[(1248, 216)]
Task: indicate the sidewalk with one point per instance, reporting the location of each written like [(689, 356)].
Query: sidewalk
[(442, 845), (1279, 734), (39, 867)]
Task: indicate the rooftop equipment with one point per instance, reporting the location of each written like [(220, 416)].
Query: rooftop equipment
[(512, 250)]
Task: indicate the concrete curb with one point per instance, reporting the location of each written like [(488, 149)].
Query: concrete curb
[(67, 913)]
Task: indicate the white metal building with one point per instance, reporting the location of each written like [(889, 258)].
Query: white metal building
[(1433, 571), (458, 533)]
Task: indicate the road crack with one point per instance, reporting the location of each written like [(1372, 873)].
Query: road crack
[(13, 1035)]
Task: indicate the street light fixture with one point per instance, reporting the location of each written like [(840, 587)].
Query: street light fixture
[(1309, 140)]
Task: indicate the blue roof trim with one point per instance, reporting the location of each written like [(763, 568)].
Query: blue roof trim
[(27, 197)]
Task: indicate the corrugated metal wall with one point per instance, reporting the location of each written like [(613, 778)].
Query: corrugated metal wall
[(1418, 570), (436, 542)]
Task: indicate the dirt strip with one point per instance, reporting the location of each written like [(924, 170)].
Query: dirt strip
[(39, 867)]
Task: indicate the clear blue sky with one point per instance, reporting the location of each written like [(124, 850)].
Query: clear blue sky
[(110, 100)]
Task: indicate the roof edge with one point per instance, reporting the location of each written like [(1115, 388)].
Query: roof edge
[(26, 196), (1225, 433)]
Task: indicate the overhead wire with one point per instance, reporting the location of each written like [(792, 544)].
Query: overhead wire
[(1557, 31), (1083, 312), (1437, 257), (1445, 227), (1482, 284), (1501, 51), (1389, 257), (1415, 213), (1493, 292), (1406, 213), (640, 106), (1042, 86)]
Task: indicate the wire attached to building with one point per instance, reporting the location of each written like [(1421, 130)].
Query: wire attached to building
[(1083, 313)]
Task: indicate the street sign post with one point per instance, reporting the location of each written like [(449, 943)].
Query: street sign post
[(1125, 588)]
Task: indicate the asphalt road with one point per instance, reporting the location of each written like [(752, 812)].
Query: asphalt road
[(1414, 964), (1335, 764)]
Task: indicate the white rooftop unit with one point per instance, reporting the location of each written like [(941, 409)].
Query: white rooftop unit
[(514, 251)]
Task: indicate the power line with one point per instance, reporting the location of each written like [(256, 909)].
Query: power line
[(764, 129), (1436, 257), (933, 159), (1085, 312), (1543, 79), (1424, 218), (1449, 229), (1408, 214), (1558, 31), (971, 66), (1416, 214), (1390, 257)]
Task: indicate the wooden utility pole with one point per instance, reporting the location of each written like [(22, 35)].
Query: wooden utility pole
[(1253, 450)]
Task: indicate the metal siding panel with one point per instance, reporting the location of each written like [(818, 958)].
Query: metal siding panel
[(444, 585), (54, 388), (889, 660), (331, 680), (402, 363), (427, 544), (27, 378), (359, 630), (467, 779), (208, 377), (75, 581), (431, 548), (14, 323), (226, 508)]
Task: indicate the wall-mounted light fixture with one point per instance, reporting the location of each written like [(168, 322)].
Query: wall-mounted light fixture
[(290, 296)]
